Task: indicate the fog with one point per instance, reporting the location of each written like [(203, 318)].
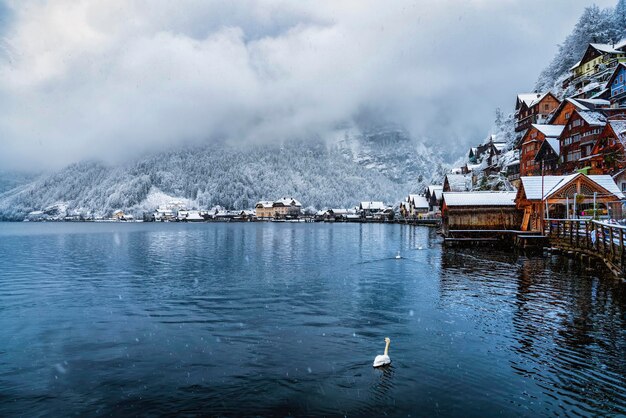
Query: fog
[(111, 79)]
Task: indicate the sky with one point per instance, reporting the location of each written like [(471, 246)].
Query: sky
[(110, 79)]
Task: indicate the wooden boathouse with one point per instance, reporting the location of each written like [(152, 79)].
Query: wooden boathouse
[(567, 197), (479, 217)]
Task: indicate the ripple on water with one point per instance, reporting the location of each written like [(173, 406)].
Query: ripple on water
[(279, 319)]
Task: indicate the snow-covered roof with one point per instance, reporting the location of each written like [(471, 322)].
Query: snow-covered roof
[(499, 146), (194, 215), (599, 94), (575, 65), (438, 193), (479, 198), (555, 144), (551, 184), (372, 205), (619, 127), (473, 167), (594, 102), (593, 118), (287, 201), (621, 44), (432, 188), (549, 131), (531, 99), (606, 48), (266, 204), (419, 201), (459, 182)]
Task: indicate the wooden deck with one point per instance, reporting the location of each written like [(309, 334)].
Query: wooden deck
[(590, 238)]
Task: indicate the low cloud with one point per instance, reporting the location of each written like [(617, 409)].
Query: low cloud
[(109, 79)]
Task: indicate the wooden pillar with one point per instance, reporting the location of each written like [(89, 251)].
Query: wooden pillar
[(621, 249)]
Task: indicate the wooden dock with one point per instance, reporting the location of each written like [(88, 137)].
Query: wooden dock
[(589, 238)]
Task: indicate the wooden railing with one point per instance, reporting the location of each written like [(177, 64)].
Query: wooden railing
[(600, 239)]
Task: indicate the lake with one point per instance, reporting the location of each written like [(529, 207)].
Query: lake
[(279, 319)]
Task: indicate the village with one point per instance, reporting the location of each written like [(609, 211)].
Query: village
[(567, 162)]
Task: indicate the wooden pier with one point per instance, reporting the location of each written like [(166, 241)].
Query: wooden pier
[(589, 238)]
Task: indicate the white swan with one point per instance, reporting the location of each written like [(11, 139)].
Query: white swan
[(398, 256), (383, 359)]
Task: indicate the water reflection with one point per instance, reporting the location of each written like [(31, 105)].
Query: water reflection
[(280, 319), (567, 325)]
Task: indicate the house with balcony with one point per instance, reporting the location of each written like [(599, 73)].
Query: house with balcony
[(565, 110), (596, 64), (531, 143), (607, 155), (548, 155), (617, 86), (534, 108), (578, 138)]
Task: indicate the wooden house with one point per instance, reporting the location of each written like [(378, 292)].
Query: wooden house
[(479, 210), (570, 196), (457, 183), (617, 86), (533, 108), (434, 194), (607, 155), (493, 157), (597, 61), (531, 143), (548, 156), (414, 206), (565, 110), (620, 179), (578, 138), (512, 170), (371, 208)]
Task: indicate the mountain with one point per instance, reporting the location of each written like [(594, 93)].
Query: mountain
[(595, 25), (352, 165)]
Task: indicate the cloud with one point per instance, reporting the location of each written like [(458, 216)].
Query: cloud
[(111, 78)]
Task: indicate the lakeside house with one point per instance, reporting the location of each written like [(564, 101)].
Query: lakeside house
[(485, 210), (281, 208), (414, 206), (434, 195), (567, 196)]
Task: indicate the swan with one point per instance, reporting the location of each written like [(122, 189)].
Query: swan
[(383, 359), (398, 256)]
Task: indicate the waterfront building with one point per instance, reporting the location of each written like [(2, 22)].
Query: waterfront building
[(570, 196), (485, 210), (434, 194), (414, 205), (617, 86), (371, 208), (264, 209), (287, 206)]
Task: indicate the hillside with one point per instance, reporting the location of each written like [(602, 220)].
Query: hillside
[(384, 164)]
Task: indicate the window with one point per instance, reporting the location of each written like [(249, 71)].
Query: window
[(623, 187), (566, 116)]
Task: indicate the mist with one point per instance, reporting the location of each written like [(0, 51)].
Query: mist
[(114, 79)]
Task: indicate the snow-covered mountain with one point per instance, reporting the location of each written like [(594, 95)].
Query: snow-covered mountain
[(382, 164)]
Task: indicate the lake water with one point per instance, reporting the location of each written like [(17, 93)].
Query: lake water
[(285, 319)]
